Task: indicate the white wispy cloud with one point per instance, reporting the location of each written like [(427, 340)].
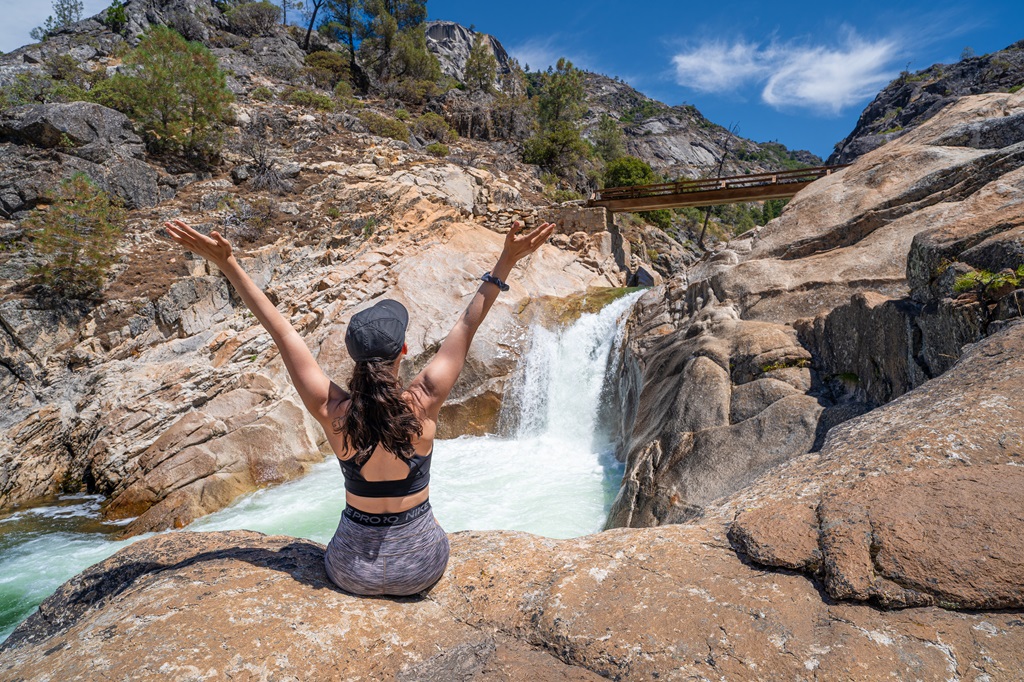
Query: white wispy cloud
[(719, 67), (826, 78)]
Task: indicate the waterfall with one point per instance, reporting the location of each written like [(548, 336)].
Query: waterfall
[(561, 380), (555, 473)]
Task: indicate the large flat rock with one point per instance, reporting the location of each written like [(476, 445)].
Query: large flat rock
[(669, 603)]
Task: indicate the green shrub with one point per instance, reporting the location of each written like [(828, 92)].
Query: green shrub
[(253, 18), (177, 94), (413, 91), (305, 98), (560, 195), (383, 126), (35, 88), (326, 68), (117, 92), (629, 171), (262, 93), (985, 281), (343, 90), (437, 149), (1015, 88), (433, 126), (116, 18), (65, 68), (402, 115), (77, 238)]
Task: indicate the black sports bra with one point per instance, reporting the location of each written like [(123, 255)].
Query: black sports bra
[(417, 480)]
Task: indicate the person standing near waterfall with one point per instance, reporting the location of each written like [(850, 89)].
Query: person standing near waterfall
[(387, 542)]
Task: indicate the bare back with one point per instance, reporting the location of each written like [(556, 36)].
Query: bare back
[(384, 465)]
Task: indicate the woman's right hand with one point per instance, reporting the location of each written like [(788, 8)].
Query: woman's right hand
[(214, 248), (518, 245)]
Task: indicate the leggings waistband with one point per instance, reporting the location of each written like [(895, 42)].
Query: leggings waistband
[(395, 519)]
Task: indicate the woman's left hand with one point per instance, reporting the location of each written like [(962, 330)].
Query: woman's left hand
[(214, 248), (519, 245)]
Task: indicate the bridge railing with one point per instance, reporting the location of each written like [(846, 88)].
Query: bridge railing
[(711, 184)]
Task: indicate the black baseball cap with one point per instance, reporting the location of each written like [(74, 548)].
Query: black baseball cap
[(377, 333)]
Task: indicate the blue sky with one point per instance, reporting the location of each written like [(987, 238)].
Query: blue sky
[(796, 72)]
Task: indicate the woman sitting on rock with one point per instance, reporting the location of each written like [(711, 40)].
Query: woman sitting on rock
[(383, 434)]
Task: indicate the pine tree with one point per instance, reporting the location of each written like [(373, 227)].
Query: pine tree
[(65, 13), (394, 43), (348, 14), (77, 238), (312, 10), (558, 144), (177, 93), (609, 142), (481, 66), (562, 95)]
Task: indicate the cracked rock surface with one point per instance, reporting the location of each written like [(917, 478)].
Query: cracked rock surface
[(670, 602)]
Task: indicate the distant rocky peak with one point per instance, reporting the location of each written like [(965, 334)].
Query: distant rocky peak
[(192, 18), (451, 42), (913, 98)]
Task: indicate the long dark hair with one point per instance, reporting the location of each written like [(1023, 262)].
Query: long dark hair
[(378, 415)]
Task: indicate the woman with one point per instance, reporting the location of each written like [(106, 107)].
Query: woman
[(387, 541)]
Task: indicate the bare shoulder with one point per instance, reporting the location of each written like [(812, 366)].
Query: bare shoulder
[(422, 400), (421, 407), (335, 427)]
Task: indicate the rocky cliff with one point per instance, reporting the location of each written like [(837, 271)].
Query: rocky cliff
[(913, 98), (679, 141), (868, 286), (451, 42)]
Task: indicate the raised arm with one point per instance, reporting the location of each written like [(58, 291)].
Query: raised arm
[(315, 389), (435, 382)]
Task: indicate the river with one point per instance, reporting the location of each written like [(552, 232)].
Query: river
[(554, 475)]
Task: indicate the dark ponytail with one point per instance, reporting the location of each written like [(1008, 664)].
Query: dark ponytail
[(378, 415)]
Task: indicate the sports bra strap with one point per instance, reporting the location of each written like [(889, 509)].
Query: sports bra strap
[(417, 480)]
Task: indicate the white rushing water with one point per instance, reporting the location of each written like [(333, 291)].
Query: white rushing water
[(555, 475)]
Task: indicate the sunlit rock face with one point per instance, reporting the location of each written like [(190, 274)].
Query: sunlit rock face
[(171, 400), (871, 284), (913, 98), (632, 603)]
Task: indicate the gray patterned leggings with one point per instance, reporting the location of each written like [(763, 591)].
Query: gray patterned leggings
[(387, 560)]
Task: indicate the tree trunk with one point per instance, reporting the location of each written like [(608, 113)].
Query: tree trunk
[(312, 20)]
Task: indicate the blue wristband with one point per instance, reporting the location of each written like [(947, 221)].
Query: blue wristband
[(488, 277)]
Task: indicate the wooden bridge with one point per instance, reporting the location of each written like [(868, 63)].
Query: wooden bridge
[(711, 192)]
